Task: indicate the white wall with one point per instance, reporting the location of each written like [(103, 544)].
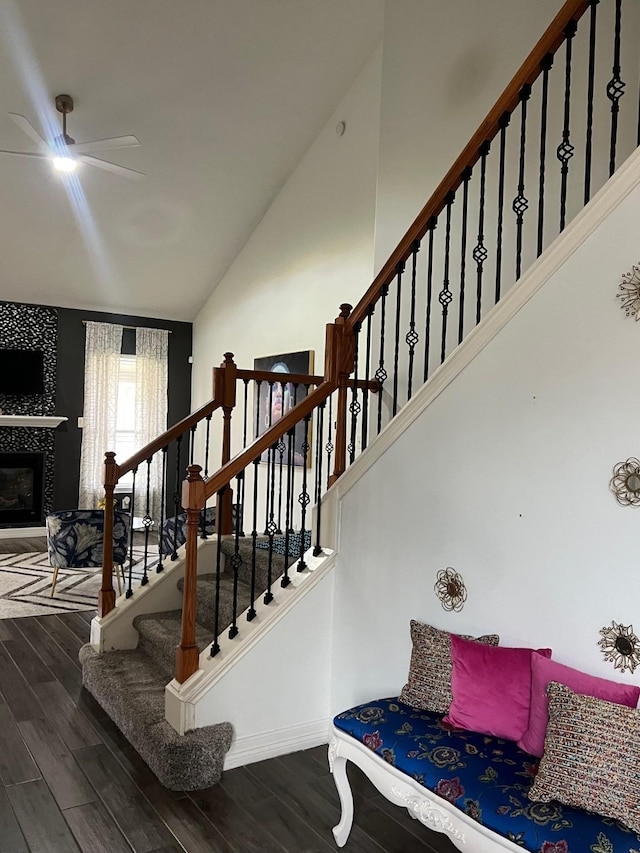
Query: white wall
[(505, 478), (312, 251), (444, 66)]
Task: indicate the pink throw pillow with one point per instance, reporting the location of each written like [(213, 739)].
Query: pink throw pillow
[(491, 687), (542, 672)]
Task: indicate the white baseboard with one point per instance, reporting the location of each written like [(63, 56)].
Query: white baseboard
[(252, 748), (22, 532)]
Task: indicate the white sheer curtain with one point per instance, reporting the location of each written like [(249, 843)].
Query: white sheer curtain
[(102, 361), (152, 376)]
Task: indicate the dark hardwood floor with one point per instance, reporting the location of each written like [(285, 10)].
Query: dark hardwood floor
[(71, 782)]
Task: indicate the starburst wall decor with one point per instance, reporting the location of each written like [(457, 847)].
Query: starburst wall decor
[(630, 292), (620, 646), (450, 589)]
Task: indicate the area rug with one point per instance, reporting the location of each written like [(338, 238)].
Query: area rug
[(25, 584)]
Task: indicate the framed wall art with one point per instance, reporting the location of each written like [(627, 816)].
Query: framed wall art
[(273, 400)]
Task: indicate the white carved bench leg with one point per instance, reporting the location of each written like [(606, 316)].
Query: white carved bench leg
[(338, 766)]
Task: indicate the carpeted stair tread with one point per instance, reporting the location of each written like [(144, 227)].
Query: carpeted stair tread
[(130, 688), (160, 634), (245, 552), (206, 601)]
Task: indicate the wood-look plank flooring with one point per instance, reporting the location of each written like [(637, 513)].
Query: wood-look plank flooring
[(71, 782)]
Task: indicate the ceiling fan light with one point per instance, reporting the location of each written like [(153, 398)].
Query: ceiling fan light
[(65, 164)]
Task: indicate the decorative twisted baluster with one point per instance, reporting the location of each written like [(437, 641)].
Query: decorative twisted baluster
[(163, 499), (412, 338), (354, 407), (546, 65), (317, 551), (236, 563), (565, 149), (480, 253), (303, 498), (520, 202), (466, 177), (131, 515), (615, 89), (381, 373), (365, 393), (445, 296)]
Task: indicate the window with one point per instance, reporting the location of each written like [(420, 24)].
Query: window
[(125, 445)]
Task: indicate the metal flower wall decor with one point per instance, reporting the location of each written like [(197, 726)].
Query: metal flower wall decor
[(450, 589), (630, 292), (625, 483), (620, 646)]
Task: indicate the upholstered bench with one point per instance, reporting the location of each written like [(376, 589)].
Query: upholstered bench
[(470, 786)]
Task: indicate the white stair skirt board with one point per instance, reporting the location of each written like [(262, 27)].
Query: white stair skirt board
[(247, 750), (181, 700), (617, 188)]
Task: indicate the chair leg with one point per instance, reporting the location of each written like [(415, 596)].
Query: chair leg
[(116, 570), (54, 581)]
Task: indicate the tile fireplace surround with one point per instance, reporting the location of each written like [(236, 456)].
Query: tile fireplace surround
[(28, 434)]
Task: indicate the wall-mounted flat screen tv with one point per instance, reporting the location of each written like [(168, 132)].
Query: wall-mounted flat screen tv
[(21, 371)]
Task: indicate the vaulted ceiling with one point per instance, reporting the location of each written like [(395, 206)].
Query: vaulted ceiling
[(225, 97)]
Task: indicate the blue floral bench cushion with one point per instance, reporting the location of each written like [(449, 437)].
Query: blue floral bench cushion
[(486, 777), (296, 542)]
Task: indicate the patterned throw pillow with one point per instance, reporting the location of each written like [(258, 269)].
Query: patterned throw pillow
[(591, 756), (429, 682)]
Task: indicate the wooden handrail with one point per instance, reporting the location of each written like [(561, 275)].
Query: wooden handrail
[(530, 69), (254, 450), (167, 437)]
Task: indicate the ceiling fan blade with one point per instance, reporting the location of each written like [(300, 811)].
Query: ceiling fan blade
[(26, 127), (111, 167), (27, 154), (101, 144)]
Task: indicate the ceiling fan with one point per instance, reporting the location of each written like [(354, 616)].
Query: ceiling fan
[(65, 153)]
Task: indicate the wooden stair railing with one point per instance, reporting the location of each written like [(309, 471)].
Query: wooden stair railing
[(368, 353)]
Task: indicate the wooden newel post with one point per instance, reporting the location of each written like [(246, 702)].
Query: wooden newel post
[(225, 392), (339, 364), (107, 595), (193, 498)]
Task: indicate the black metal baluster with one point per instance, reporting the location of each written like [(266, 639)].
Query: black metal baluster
[(236, 563), (303, 498), (367, 379), (354, 407), (412, 338), (131, 516), (163, 499), (480, 253), (270, 467), (591, 76), (615, 89), (271, 525), (396, 351), (466, 177), (520, 202), (280, 448), (445, 296), (504, 124), (192, 443), (203, 514), (329, 446), (565, 149), (245, 413), (546, 65), (251, 613), (427, 320), (215, 647), (177, 498), (317, 551), (147, 522), (288, 521), (381, 373)]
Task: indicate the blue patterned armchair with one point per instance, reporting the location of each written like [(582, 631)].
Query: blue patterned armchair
[(74, 540)]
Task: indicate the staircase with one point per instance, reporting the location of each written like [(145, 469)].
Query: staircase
[(443, 285), (130, 684)]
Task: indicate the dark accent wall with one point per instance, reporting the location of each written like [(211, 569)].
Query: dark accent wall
[(32, 327), (60, 333)]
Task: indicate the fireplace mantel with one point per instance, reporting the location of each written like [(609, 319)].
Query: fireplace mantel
[(51, 421)]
